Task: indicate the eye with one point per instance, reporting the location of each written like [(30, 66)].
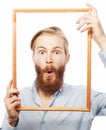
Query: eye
[(57, 52), (42, 52)]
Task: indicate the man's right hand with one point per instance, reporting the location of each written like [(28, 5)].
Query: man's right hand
[(12, 101)]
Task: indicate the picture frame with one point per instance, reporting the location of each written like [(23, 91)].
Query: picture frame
[(14, 60)]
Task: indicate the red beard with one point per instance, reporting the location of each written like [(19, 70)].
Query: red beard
[(50, 79)]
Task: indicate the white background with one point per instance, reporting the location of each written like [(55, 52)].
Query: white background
[(6, 7)]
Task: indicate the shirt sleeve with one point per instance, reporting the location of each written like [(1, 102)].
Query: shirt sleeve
[(102, 55), (6, 126), (98, 103)]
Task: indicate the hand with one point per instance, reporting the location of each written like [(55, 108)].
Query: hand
[(11, 102), (91, 20)]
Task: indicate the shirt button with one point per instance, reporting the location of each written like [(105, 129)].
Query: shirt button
[(43, 122)]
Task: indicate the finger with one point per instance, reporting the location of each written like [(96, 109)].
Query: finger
[(16, 105), (86, 27), (92, 10), (11, 100), (80, 19), (11, 91), (91, 6), (92, 13), (85, 17), (10, 84), (85, 23), (9, 87), (13, 105)]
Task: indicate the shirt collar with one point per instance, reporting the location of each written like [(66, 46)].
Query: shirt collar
[(35, 93)]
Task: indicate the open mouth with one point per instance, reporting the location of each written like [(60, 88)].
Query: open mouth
[(49, 72)]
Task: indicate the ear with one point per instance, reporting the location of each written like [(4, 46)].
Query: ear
[(33, 57), (67, 58)]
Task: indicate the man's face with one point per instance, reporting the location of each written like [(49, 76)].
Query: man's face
[(50, 59)]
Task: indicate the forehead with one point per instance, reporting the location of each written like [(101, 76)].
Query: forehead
[(49, 41)]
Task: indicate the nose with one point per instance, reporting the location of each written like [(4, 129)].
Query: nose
[(49, 59)]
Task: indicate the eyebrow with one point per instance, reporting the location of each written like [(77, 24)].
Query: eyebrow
[(41, 47), (57, 47)]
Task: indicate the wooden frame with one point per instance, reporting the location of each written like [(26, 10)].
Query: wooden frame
[(14, 50)]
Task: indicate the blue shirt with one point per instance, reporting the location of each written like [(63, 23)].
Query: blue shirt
[(68, 96)]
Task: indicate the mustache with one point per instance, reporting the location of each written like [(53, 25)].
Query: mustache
[(46, 69), (51, 68)]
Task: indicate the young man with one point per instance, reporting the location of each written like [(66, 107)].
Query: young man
[(50, 56)]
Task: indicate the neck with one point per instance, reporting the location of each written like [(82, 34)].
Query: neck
[(45, 98)]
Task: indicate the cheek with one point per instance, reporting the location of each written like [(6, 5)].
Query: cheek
[(39, 61), (40, 64), (59, 62)]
